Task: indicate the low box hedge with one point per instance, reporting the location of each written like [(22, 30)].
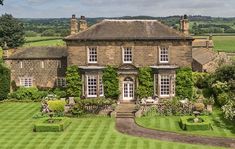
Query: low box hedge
[(42, 126), (185, 125)]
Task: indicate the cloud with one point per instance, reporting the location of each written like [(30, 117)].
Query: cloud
[(110, 8)]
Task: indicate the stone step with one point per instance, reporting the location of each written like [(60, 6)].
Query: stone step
[(125, 115)]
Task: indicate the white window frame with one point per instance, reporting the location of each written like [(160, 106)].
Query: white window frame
[(123, 55), (42, 64), (101, 87), (61, 82), (94, 77), (26, 81), (21, 64), (89, 55), (171, 78), (161, 85), (164, 57)]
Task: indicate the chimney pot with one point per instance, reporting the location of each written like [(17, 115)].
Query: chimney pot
[(73, 16), (83, 18)]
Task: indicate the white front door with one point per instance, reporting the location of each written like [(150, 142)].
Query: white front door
[(128, 90)]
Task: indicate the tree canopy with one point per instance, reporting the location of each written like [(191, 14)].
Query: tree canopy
[(1, 2), (11, 31)]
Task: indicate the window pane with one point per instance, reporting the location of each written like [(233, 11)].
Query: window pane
[(165, 85), (164, 55), (127, 57), (91, 86), (92, 55)]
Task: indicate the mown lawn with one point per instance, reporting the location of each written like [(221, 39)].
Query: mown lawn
[(221, 127), (94, 133)]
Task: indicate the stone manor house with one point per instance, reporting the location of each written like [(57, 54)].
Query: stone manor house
[(125, 44)]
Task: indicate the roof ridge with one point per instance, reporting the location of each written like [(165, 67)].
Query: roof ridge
[(130, 20)]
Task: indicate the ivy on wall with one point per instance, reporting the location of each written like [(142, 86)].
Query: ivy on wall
[(4, 82), (145, 88), (73, 82), (111, 83), (184, 83)]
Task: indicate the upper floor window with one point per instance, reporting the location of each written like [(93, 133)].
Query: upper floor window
[(42, 64), (127, 55), (92, 55), (26, 81), (59, 64), (21, 64), (164, 55)]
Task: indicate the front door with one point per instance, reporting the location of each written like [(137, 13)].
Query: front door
[(128, 90)]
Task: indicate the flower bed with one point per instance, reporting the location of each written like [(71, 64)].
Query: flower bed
[(59, 124), (186, 123)]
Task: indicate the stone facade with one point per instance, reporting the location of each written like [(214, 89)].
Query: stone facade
[(144, 53), (43, 75)]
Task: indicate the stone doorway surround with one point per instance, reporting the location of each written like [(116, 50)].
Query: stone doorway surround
[(128, 82)]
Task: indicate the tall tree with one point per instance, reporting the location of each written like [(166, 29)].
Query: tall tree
[(11, 31), (1, 2)]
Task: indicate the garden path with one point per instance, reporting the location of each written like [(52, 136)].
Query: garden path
[(129, 126)]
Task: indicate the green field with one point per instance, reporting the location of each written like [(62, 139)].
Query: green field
[(43, 41), (224, 43), (94, 133), (221, 127)]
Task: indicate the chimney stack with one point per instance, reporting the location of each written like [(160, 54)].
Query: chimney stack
[(184, 25), (83, 24), (74, 25)]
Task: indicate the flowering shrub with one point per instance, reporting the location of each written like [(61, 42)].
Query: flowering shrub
[(229, 110)]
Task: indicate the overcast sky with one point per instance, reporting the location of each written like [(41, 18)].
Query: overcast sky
[(114, 8)]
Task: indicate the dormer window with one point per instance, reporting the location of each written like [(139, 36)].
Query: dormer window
[(92, 55), (163, 55), (127, 55)]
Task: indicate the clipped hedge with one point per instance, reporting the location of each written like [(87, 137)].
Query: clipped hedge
[(185, 125), (43, 126)]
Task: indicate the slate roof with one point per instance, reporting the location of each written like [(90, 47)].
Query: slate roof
[(39, 53), (203, 55), (128, 30), (202, 43)]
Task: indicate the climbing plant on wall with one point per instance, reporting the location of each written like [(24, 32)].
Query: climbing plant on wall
[(111, 83), (184, 83), (73, 82), (145, 88), (4, 82)]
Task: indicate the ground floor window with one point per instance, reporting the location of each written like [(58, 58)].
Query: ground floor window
[(61, 82), (26, 81), (167, 85), (94, 86)]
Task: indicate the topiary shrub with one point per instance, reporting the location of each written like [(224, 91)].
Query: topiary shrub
[(111, 83), (184, 83), (145, 88), (60, 124), (199, 107), (73, 82), (185, 123), (4, 82), (56, 105)]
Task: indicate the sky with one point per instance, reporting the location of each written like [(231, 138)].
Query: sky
[(116, 8)]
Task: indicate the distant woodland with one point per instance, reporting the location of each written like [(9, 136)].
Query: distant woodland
[(199, 25)]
